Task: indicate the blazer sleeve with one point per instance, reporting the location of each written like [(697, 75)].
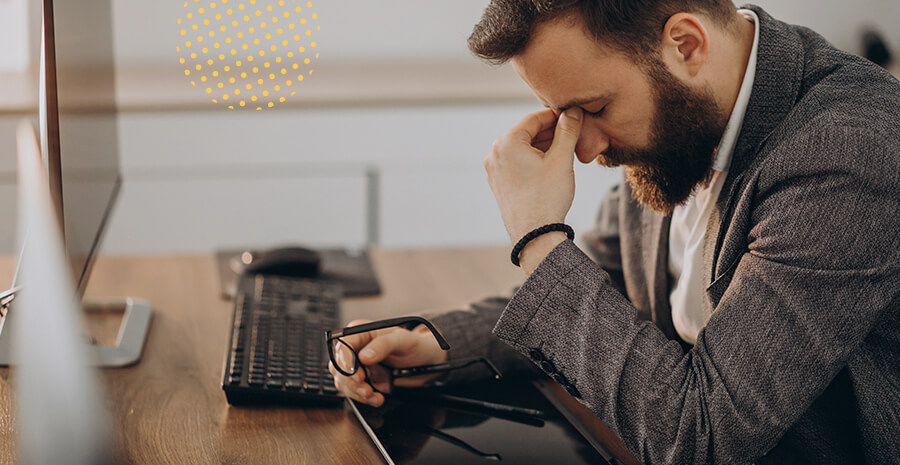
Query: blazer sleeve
[(820, 269), (468, 331)]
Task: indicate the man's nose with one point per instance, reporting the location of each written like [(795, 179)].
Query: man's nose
[(590, 145)]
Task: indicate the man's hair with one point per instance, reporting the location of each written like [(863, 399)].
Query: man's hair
[(630, 26)]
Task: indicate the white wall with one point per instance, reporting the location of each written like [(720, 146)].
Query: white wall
[(351, 30), (841, 22), (13, 35), (412, 29), (146, 31)]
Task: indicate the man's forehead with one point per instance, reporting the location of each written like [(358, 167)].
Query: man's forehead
[(565, 67)]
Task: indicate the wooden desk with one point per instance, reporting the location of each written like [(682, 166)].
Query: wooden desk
[(170, 408)]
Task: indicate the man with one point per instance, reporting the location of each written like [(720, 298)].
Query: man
[(757, 228)]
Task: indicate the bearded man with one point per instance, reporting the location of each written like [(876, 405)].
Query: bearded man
[(739, 298)]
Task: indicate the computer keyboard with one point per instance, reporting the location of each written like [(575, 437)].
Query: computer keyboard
[(276, 352)]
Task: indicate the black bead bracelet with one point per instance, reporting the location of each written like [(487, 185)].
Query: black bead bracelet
[(514, 256)]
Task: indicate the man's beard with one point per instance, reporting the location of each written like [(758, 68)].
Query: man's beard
[(685, 130)]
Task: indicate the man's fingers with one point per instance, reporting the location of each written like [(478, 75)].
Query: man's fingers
[(356, 341), (532, 125), (568, 128), (393, 343), (344, 357), (342, 354), (544, 139), (354, 391), (546, 134), (544, 131), (543, 146), (356, 378), (355, 387), (375, 400)]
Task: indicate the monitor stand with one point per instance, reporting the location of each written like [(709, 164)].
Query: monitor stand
[(136, 316)]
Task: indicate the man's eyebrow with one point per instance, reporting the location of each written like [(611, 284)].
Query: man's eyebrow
[(580, 102)]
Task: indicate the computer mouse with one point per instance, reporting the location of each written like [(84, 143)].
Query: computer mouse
[(285, 261)]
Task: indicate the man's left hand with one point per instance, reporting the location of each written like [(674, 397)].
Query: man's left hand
[(534, 187)]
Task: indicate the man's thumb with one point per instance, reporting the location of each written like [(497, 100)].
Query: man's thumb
[(568, 127)]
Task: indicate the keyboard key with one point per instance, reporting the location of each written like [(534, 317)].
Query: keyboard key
[(293, 384)]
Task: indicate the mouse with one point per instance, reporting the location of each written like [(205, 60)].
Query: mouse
[(294, 261)]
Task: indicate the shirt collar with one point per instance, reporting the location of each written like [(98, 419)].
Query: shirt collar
[(729, 138)]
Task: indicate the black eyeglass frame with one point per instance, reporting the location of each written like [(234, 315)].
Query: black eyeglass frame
[(407, 322)]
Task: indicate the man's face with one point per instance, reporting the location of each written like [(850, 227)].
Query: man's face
[(661, 130)]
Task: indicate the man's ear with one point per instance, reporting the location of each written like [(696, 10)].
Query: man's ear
[(685, 45)]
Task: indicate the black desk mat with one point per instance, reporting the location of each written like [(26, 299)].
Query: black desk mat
[(351, 268)]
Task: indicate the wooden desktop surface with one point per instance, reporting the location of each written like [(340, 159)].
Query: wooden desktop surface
[(170, 408)]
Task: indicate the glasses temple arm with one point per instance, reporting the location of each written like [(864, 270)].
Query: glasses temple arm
[(441, 367), (406, 321)]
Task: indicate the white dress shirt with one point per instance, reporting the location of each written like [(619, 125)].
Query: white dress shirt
[(689, 221)]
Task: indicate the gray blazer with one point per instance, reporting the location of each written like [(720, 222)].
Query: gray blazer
[(800, 359)]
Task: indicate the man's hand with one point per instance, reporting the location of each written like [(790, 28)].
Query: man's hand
[(395, 347), (533, 178)]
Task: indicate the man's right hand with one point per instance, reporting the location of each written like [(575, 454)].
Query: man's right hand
[(395, 347)]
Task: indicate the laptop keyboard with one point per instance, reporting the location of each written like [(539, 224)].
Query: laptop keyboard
[(276, 351)]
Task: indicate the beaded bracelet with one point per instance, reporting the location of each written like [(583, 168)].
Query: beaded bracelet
[(514, 256)]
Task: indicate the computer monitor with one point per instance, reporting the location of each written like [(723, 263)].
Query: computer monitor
[(79, 124), (79, 135)]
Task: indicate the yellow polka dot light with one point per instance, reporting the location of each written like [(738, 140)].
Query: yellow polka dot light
[(249, 54)]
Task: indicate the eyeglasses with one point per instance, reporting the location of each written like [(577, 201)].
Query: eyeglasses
[(347, 362)]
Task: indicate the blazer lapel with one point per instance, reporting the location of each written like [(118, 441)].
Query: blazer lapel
[(655, 245), (775, 90)]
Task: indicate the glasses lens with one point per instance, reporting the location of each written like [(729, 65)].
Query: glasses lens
[(344, 357)]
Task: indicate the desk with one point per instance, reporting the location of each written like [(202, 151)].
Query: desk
[(170, 408)]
